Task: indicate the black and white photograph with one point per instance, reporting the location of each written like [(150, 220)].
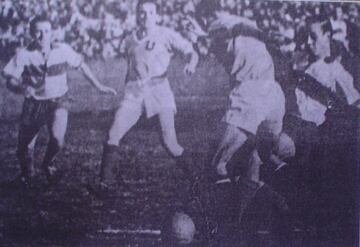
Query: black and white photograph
[(166, 123)]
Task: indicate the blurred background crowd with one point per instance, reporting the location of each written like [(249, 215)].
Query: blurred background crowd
[(96, 28)]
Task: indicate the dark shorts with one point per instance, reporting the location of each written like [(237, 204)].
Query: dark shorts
[(35, 114), (39, 112)]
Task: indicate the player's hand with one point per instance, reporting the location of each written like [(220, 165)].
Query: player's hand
[(189, 69), (106, 89)]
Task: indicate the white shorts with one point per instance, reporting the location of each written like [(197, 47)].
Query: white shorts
[(257, 103), (156, 96)]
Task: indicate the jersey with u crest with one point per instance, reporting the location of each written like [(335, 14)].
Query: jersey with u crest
[(150, 56)]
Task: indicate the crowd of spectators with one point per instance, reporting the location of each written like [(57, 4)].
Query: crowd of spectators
[(96, 27)]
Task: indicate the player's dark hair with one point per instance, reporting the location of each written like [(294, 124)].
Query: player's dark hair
[(142, 2), (336, 6), (324, 22), (207, 8), (35, 20)]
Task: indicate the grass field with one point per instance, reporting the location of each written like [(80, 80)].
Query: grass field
[(66, 214)]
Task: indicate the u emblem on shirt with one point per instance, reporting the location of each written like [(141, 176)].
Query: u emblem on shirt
[(150, 45)]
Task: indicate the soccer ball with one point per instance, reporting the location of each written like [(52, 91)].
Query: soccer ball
[(178, 229)]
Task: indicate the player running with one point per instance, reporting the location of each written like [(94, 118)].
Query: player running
[(148, 51), (38, 72)]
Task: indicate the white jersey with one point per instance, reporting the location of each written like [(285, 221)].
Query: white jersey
[(52, 69), (256, 98), (332, 76), (150, 57), (252, 61)]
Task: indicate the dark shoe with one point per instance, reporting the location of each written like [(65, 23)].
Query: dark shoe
[(53, 175), (216, 178)]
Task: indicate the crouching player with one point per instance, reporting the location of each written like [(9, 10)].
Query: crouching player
[(148, 51), (38, 72), (257, 103)]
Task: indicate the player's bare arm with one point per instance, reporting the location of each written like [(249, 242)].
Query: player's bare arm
[(94, 81)]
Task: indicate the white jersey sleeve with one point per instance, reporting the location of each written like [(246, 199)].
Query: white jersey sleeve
[(178, 42), (346, 82)]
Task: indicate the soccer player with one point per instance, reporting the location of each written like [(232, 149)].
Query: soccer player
[(325, 84), (148, 51), (257, 103), (322, 92), (38, 72)]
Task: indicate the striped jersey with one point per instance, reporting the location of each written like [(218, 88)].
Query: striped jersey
[(332, 76), (50, 71)]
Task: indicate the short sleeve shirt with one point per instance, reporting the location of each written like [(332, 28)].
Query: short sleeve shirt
[(50, 72), (332, 76)]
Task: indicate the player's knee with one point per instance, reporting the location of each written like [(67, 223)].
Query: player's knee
[(59, 125), (285, 147), (61, 116)]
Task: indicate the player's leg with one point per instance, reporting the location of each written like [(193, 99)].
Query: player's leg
[(184, 158), (167, 123), (125, 118), (29, 127), (25, 148), (267, 139), (285, 149), (274, 145), (232, 140), (57, 125)]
